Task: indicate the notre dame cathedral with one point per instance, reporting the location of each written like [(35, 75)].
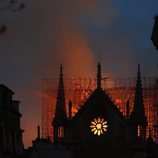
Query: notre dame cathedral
[(98, 129)]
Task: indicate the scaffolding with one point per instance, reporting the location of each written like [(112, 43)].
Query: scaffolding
[(119, 89), (47, 108)]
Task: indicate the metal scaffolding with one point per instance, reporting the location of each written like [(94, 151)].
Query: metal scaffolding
[(47, 108), (119, 89)]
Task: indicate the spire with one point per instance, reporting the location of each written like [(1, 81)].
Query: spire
[(99, 76), (137, 117), (60, 111), (138, 99)]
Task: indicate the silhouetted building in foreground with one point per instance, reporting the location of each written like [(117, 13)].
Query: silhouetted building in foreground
[(11, 145), (98, 129), (154, 35)]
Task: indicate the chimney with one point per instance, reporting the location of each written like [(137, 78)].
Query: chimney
[(38, 132)]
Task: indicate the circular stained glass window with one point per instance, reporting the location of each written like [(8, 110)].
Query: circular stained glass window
[(98, 126)]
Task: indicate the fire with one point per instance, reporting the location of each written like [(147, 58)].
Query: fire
[(80, 89)]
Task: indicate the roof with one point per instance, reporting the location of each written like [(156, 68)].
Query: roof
[(102, 95), (2, 86)]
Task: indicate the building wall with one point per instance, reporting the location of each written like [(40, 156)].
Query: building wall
[(10, 131)]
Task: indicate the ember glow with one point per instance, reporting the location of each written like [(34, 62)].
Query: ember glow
[(75, 52), (79, 89)]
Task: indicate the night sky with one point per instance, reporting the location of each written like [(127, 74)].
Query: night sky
[(78, 34)]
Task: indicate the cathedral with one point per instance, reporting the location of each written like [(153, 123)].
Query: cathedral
[(98, 129)]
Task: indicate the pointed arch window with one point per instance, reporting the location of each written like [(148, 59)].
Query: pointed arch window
[(138, 130), (60, 132)]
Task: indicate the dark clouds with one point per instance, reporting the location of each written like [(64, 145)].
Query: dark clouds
[(78, 34)]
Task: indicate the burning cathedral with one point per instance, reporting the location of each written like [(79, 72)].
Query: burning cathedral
[(98, 129)]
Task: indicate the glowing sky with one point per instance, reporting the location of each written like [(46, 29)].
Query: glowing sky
[(78, 34)]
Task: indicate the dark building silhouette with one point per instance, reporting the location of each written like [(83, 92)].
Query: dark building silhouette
[(60, 120), (98, 129), (154, 35), (11, 145), (138, 120)]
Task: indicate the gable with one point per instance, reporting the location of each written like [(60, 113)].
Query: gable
[(99, 107)]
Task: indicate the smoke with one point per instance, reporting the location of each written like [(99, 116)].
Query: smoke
[(39, 39), (74, 52), (70, 42)]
